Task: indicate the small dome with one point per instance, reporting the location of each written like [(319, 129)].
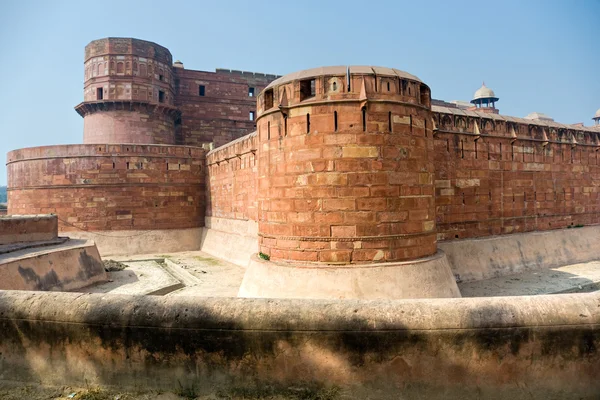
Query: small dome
[(597, 115), (483, 93), (178, 64)]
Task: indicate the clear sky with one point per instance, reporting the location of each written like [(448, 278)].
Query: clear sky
[(536, 55)]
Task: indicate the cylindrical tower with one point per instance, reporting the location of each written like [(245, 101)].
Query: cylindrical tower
[(345, 188), (128, 93), (346, 166)]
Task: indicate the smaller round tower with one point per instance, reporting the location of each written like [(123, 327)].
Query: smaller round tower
[(484, 100), (597, 118), (129, 93)]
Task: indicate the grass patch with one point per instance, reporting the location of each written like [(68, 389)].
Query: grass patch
[(207, 260)]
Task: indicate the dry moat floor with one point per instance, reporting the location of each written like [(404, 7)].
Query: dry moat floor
[(199, 274)]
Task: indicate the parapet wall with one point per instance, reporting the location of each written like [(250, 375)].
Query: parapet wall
[(537, 347), (110, 187)]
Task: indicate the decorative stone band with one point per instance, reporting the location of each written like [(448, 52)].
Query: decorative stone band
[(86, 108), (338, 101), (517, 138), (346, 239)]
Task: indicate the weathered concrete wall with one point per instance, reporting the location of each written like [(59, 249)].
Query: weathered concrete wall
[(493, 348), (477, 259), (428, 277), (28, 228), (68, 266), (230, 239), (131, 242)]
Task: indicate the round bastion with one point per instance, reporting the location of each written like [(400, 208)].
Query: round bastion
[(346, 166)]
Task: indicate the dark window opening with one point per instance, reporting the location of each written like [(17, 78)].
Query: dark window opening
[(364, 118), (389, 119), (307, 89), (161, 96), (161, 78), (99, 93), (307, 123), (424, 95), (388, 86), (269, 130), (334, 86), (268, 99), (335, 124), (250, 92), (285, 130), (201, 90), (404, 87), (251, 116)]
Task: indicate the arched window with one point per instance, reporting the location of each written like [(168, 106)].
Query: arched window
[(120, 68)]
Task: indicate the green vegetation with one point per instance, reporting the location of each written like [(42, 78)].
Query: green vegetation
[(207, 260), (264, 256)]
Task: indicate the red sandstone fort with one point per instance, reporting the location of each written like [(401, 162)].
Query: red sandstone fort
[(328, 166)]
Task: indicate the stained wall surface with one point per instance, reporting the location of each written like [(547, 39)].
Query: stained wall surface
[(110, 187), (492, 348)]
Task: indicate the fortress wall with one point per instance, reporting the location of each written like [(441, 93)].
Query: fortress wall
[(223, 113), (109, 187), (535, 347), (231, 212), (498, 185)]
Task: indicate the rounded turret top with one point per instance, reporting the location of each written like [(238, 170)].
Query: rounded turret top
[(484, 93), (128, 46), (343, 70), (597, 115), (178, 64)]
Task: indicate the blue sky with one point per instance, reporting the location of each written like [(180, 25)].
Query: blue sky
[(537, 55)]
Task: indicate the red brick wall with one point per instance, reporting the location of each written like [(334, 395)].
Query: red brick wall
[(110, 187), (232, 180), (498, 185), (352, 194), (222, 114)]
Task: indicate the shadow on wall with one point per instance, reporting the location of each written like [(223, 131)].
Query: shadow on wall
[(434, 349)]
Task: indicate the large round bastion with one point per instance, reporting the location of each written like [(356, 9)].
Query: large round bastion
[(346, 196)]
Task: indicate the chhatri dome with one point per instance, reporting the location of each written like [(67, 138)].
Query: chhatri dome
[(485, 100), (484, 95), (597, 117)]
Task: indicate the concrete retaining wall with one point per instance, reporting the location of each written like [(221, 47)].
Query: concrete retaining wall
[(68, 266), (424, 278), (477, 259), (493, 348), (28, 228), (118, 243), (230, 239)]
